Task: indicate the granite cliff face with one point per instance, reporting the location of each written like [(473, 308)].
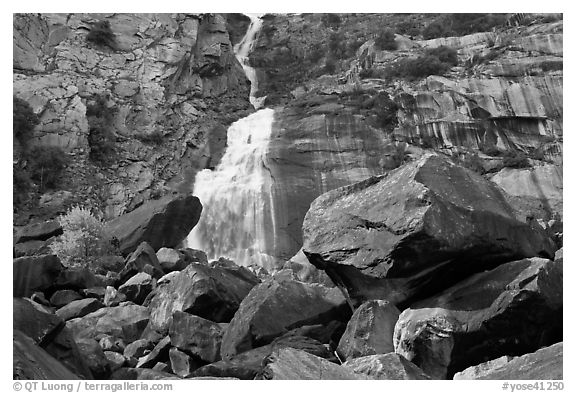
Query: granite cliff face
[(171, 82)]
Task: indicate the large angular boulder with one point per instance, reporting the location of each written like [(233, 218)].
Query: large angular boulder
[(30, 319), (162, 223), (211, 293), (29, 361), (415, 231), (196, 336), (370, 331), (38, 231), (76, 278), (79, 308), (63, 297), (158, 354), (389, 366), (546, 363), (294, 364), (143, 259), (36, 273), (247, 365), (172, 260), (95, 358), (137, 287), (276, 306), (126, 321), (182, 364), (33, 247), (50, 333), (510, 310)]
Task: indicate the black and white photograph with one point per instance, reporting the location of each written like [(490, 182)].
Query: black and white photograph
[(287, 196)]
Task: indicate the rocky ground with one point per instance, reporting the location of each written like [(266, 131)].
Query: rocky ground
[(425, 214)]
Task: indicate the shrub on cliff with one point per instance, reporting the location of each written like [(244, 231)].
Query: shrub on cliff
[(385, 40), (23, 121), (101, 139), (445, 54), (420, 67), (331, 20), (515, 160), (447, 25), (101, 35), (21, 185), (84, 239), (46, 164)]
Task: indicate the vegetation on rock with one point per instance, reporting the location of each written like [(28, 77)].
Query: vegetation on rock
[(84, 239), (449, 25), (46, 165), (101, 35), (101, 139), (386, 41), (24, 120)]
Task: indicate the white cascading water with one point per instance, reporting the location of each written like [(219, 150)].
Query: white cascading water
[(236, 196), (242, 50)]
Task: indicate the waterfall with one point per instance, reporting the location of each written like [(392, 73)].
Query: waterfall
[(242, 50), (237, 218)]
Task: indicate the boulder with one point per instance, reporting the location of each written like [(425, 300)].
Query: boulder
[(31, 274), (294, 364), (112, 297), (370, 331), (211, 293), (277, 305), (510, 310), (94, 357), (415, 231), (29, 361), (391, 366), (162, 223), (126, 321), (140, 374), (49, 332), (182, 364), (30, 248), (546, 363), (196, 336), (194, 256), (137, 287), (162, 367), (76, 278), (142, 260), (138, 348), (158, 354), (32, 320), (247, 365), (115, 360), (38, 231), (79, 308), (482, 369), (94, 292), (172, 260), (533, 192), (109, 263), (306, 272), (63, 297), (109, 343)]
